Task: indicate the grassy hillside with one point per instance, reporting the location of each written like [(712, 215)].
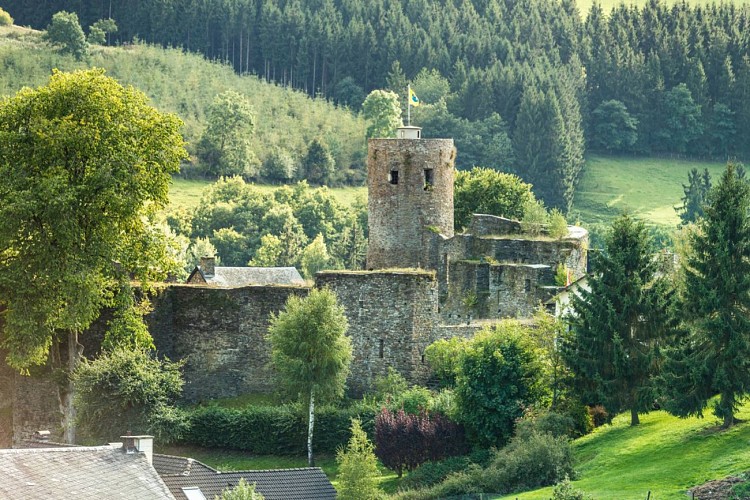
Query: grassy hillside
[(648, 188), (585, 5), (664, 455), (186, 84)]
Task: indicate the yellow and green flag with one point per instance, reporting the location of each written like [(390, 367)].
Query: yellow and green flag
[(413, 99)]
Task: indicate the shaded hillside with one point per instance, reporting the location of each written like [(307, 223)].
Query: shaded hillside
[(186, 84)]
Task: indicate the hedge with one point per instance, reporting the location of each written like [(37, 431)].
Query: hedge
[(275, 430)]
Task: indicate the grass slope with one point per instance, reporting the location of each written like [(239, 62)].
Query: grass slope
[(664, 455), (648, 188), (584, 6)]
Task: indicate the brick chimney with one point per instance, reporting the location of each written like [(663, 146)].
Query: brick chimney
[(139, 444), (208, 265)]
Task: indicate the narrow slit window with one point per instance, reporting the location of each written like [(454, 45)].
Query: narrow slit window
[(527, 285), (380, 349), (429, 178), (393, 177)]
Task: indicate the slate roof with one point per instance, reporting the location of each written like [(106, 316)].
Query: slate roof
[(308, 483), (243, 276), (83, 473)]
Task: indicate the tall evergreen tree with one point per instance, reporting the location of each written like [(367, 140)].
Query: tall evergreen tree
[(714, 354), (620, 323), (696, 193)]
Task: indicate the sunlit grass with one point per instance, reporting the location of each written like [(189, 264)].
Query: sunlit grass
[(664, 455)]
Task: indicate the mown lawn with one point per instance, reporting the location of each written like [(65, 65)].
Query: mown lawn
[(664, 455), (584, 6), (648, 188)]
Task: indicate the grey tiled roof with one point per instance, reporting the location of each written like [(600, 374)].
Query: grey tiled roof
[(308, 483), (243, 276), (83, 473)]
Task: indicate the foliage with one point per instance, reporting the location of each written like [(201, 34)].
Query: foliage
[(682, 117), (358, 468), (403, 441), (431, 473), (224, 147), (558, 226), (66, 31), (712, 355), (620, 324), (273, 429), (242, 491), (389, 386), (487, 191), (99, 31), (696, 194), (128, 389), (310, 350), (383, 111), (318, 165), (614, 128), (279, 166), (535, 217), (127, 328), (314, 257), (5, 19), (499, 374), (443, 357), (564, 490), (83, 136)]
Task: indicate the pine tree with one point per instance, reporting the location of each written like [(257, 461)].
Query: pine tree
[(620, 323), (714, 355), (358, 467), (696, 192)]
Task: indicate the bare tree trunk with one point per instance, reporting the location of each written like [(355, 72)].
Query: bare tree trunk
[(311, 424), (634, 420), (65, 390)]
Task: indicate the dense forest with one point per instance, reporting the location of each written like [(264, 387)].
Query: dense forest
[(521, 85)]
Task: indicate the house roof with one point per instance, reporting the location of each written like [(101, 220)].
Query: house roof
[(85, 472), (243, 276), (308, 483)]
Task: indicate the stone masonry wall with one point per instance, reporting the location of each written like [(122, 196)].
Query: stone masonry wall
[(403, 214), (220, 332), (392, 318)]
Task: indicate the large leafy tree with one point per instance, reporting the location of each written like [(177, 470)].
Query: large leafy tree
[(310, 350), (224, 148), (383, 112), (620, 323), (714, 354), (66, 31), (487, 191), (614, 129), (83, 162)]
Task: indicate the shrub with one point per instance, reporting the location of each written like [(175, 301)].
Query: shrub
[(5, 19), (565, 491), (390, 385), (358, 467), (404, 441), (413, 401), (434, 472), (278, 430), (599, 415), (558, 226), (534, 217), (243, 491)]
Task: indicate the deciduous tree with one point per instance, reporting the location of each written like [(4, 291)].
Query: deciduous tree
[(383, 111), (83, 162), (310, 350), (66, 31)]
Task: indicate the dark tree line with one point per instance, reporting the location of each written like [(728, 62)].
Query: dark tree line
[(524, 80)]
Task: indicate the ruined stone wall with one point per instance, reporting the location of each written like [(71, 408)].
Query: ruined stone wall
[(404, 212), (392, 319), (35, 406), (220, 332)]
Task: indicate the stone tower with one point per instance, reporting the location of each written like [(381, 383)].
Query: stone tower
[(410, 199)]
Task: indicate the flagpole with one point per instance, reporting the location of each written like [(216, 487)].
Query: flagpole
[(408, 105)]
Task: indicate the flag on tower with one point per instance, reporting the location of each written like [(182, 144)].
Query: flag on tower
[(413, 99)]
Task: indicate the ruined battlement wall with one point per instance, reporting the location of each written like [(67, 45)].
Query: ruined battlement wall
[(220, 332), (410, 195), (392, 317)]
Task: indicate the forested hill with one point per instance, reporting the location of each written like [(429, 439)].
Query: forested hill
[(522, 85), (285, 121)]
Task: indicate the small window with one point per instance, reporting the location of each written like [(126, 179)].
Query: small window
[(393, 177), (422, 358), (381, 351), (429, 178), (527, 285)]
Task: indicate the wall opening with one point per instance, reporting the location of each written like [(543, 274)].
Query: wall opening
[(380, 349), (527, 285), (393, 177), (429, 178)]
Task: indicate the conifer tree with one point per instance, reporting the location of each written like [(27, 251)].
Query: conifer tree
[(620, 324), (714, 353)]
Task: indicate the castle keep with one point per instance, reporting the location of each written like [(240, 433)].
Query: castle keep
[(423, 282)]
